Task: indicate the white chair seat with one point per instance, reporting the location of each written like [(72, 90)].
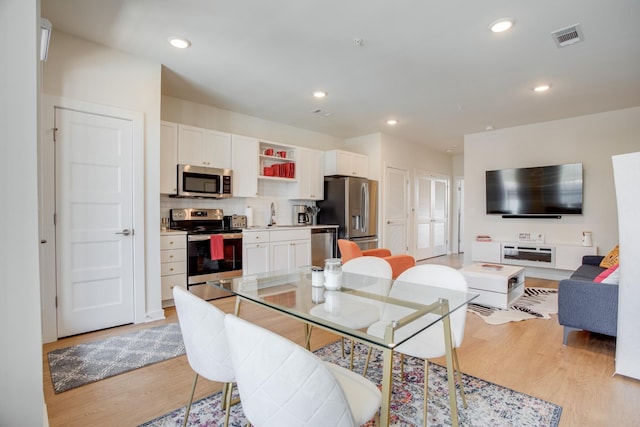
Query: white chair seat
[(205, 342), (363, 396), (426, 345), (282, 384), (430, 342)]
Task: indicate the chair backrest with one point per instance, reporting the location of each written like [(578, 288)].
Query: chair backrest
[(348, 250), (369, 266), (440, 276), (282, 384), (204, 336)]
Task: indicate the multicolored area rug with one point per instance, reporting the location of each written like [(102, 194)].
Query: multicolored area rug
[(488, 404), (535, 303), (81, 364)]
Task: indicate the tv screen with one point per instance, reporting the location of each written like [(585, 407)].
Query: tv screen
[(544, 190)]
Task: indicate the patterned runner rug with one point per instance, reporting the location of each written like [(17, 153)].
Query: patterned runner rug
[(535, 303), (81, 364), (488, 404)]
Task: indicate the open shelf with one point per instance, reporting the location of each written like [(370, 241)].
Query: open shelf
[(277, 162)]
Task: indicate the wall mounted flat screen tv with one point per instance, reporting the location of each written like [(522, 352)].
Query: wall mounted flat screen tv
[(545, 190)]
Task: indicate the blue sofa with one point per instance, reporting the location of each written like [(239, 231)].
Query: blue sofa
[(587, 305)]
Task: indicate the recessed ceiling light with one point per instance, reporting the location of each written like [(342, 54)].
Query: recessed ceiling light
[(489, 127), (541, 88), (392, 122), (179, 42), (502, 24), (319, 94)]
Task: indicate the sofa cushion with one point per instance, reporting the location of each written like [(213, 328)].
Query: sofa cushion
[(610, 276), (611, 258), (587, 272)]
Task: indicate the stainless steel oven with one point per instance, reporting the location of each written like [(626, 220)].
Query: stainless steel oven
[(214, 252), (203, 267)]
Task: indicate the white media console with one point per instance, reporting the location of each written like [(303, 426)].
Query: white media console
[(555, 256)]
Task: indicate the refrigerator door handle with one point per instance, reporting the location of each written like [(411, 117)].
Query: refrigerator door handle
[(364, 202)]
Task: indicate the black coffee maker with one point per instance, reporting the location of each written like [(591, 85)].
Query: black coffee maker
[(300, 215)]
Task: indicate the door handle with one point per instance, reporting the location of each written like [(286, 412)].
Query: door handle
[(125, 232)]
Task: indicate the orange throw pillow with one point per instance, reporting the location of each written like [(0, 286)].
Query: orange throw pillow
[(611, 259)]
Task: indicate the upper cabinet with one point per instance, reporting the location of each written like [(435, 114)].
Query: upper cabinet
[(203, 147), (168, 157), (310, 177), (244, 163), (218, 149), (338, 162)]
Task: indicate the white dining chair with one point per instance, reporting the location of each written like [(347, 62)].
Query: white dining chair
[(430, 342), (283, 384), (205, 342), (353, 312)]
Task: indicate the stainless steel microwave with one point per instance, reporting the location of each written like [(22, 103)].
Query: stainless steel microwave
[(198, 181)]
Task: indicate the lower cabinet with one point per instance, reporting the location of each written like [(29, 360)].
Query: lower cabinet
[(255, 252), (272, 250), (291, 254), (173, 263)]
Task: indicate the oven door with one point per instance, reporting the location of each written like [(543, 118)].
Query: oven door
[(201, 268)]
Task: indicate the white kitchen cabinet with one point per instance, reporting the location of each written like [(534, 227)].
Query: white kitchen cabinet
[(486, 251), (218, 149), (244, 163), (569, 257), (173, 263), (310, 174), (290, 248), (339, 162), (168, 157), (191, 145), (204, 147), (255, 252)]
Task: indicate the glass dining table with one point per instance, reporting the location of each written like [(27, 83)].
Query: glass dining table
[(348, 311)]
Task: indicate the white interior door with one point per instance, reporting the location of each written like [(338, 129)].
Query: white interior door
[(396, 210), (431, 215), (94, 220)]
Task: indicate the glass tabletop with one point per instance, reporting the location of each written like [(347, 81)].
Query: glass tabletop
[(404, 309)]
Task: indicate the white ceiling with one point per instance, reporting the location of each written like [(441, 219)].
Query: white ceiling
[(432, 65)]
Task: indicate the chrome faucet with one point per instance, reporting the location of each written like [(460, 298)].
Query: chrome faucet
[(272, 220)]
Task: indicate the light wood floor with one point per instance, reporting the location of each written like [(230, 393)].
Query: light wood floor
[(526, 356)]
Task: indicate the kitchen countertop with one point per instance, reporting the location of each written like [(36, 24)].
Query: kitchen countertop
[(261, 228), (285, 227), (168, 232)]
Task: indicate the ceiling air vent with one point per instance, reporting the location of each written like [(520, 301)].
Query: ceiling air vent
[(321, 112), (566, 36)]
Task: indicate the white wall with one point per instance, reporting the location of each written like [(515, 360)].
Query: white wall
[(82, 71), (204, 116), (402, 154), (591, 139), (627, 176), (208, 117), (21, 395), (371, 145)]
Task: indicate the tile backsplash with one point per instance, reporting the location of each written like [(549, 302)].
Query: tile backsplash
[(270, 191)]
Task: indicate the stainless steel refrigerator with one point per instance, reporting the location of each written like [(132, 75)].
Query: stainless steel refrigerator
[(352, 204)]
